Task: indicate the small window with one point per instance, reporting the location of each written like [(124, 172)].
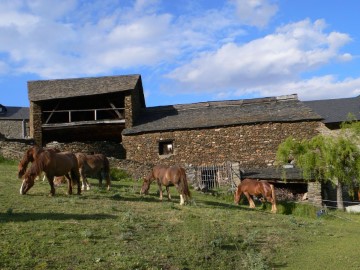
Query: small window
[(166, 147)]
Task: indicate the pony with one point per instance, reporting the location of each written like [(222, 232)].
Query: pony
[(255, 187), (30, 155), (93, 165), (52, 164), (168, 176)]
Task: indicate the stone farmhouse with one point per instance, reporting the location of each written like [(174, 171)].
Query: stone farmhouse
[(14, 122), (109, 115)]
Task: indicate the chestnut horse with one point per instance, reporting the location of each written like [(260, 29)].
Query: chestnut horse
[(53, 164), (258, 188), (168, 176), (29, 156), (96, 165)]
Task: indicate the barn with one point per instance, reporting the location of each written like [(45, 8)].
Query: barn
[(91, 109)]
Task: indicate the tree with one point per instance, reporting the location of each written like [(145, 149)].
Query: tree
[(324, 158)]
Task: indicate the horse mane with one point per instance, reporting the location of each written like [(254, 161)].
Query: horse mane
[(37, 166)]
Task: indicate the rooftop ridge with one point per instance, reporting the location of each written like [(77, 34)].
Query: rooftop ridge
[(223, 103)]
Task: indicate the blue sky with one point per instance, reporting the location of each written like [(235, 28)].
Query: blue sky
[(186, 51)]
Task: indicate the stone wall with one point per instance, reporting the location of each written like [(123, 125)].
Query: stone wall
[(251, 145), (132, 106), (109, 149), (314, 193), (14, 149), (36, 122), (13, 129)]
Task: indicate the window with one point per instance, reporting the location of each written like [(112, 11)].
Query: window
[(166, 147)]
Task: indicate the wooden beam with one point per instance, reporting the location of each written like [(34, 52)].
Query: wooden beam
[(52, 112), (115, 110)]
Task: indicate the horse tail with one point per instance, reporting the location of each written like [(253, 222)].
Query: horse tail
[(184, 187), (106, 167), (75, 172), (106, 171), (75, 177)]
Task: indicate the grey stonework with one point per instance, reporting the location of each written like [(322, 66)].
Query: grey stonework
[(314, 193), (14, 129), (250, 145)]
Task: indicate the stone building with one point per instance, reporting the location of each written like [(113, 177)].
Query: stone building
[(91, 109), (14, 122), (243, 132), (247, 131)]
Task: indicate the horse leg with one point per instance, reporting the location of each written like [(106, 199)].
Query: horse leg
[(100, 179), (160, 191), (50, 179), (273, 199), (85, 184), (182, 202), (168, 193), (108, 182), (251, 202), (69, 181)]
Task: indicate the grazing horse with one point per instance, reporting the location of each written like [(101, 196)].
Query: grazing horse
[(168, 176), (29, 156), (53, 164), (96, 165), (254, 187)]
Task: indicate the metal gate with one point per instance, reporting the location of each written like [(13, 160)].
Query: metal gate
[(208, 177)]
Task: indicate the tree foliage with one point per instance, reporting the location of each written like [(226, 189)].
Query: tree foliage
[(323, 158)]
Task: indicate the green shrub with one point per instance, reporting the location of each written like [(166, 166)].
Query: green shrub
[(118, 174), (4, 160)]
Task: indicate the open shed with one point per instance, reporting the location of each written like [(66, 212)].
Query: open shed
[(91, 109)]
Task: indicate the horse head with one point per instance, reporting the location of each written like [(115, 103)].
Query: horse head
[(27, 183), (145, 186), (29, 156)]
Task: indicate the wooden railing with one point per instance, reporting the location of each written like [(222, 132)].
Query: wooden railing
[(120, 112)]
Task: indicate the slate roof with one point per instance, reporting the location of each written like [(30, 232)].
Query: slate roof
[(222, 113), (273, 173), (15, 113), (65, 88), (336, 110)]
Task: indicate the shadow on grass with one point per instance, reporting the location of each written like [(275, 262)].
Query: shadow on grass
[(219, 204), (24, 217)]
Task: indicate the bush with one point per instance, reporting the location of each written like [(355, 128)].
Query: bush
[(118, 174), (4, 160)]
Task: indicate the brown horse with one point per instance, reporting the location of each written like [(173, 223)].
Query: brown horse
[(168, 176), (258, 188), (29, 156), (53, 164), (96, 165)]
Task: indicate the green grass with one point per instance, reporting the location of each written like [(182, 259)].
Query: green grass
[(119, 229)]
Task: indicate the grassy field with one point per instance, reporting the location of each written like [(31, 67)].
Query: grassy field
[(119, 229)]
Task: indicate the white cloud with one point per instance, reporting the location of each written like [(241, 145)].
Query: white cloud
[(255, 12), (272, 60), (316, 88)]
